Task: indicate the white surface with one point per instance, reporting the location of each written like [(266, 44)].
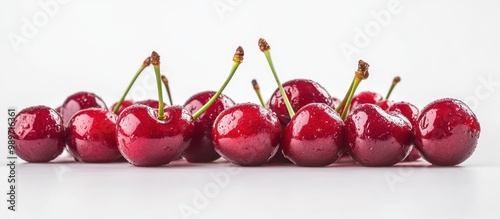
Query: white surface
[(440, 49)]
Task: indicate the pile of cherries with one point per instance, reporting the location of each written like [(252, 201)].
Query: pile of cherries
[(300, 123)]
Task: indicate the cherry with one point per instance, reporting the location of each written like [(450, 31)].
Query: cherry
[(315, 134), (411, 112), (201, 148), (385, 104), (377, 138), (91, 136), (278, 156), (447, 132), (79, 101), (124, 104), (246, 134), (38, 134), (148, 137), (150, 103), (365, 97), (335, 102), (300, 92)]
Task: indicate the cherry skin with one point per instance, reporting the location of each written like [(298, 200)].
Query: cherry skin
[(314, 137), (385, 104), (335, 102), (91, 136), (377, 138), (38, 134), (300, 92), (246, 134), (151, 103), (125, 104), (79, 101), (447, 132), (201, 149), (365, 97), (145, 140), (411, 112)]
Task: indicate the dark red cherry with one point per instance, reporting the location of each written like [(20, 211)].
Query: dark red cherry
[(314, 137), (335, 102), (201, 149), (79, 101), (385, 104), (447, 132), (411, 112), (38, 134), (300, 92), (151, 103), (246, 134), (125, 104), (91, 136), (377, 138), (365, 97), (145, 140)]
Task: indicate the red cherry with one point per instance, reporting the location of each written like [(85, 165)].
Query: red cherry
[(79, 101), (335, 102), (377, 138), (201, 148), (151, 103), (38, 134), (300, 92), (385, 104), (125, 104), (91, 136), (246, 134), (411, 112), (447, 132), (365, 97), (314, 136), (145, 140)]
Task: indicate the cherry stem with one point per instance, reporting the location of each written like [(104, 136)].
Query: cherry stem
[(256, 88), (167, 87), (145, 64), (359, 75), (264, 47), (341, 105), (155, 60), (395, 81), (237, 59)]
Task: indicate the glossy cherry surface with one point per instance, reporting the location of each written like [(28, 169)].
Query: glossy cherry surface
[(314, 137), (91, 136), (335, 102), (125, 104), (377, 138), (365, 97), (201, 149), (246, 134), (385, 104), (300, 92), (38, 134), (411, 112), (447, 132), (144, 140), (79, 101), (151, 103)]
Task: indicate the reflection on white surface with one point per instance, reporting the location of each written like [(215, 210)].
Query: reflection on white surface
[(68, 189)]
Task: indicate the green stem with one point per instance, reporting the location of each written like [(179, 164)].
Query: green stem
[(280, 86), (167, 88), (214, 98), (115, 110), (256, 88), (340, 106), (351, 94), (161, 113)]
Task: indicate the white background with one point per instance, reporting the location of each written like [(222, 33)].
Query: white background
[(440, 49)]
